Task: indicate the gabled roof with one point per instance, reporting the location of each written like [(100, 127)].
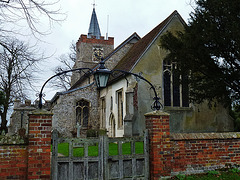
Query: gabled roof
[(128, 40), (129, 61), (94, 29)]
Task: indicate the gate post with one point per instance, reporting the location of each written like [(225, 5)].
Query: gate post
[(160, 156), (39, 149), (103, 157), (54, 168)]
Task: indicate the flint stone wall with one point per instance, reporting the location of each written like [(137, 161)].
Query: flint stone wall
[(64, 112)]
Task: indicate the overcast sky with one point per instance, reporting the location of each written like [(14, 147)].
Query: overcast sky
[(125, 18)]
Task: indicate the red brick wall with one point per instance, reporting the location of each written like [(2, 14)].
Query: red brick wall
[(39, 164), (84, 39), (160, 146), (174, 153), (31, 161), (196, 153), (13, 162)]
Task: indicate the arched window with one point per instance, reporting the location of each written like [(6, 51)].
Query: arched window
[(82, 112), (120, 108), (103, 113), (112, 131), (167, 88), (175, 86)]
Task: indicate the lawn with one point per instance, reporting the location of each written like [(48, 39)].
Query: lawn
[(229, 174), (63, 149)]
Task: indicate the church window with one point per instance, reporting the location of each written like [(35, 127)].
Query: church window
[(111, 106), (111, 130), (175, 92), (82, 112), (103, 112), (120, 108)]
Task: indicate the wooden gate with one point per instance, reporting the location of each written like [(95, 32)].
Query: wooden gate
[(100, 158)]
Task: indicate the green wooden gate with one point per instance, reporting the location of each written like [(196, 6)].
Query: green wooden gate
[(100, 158)]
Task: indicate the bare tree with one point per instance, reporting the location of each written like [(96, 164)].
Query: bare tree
[(67, 61), (15, 13), (2, 97), (18, 63)]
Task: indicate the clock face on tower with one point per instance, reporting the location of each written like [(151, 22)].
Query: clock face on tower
[(97, 53)]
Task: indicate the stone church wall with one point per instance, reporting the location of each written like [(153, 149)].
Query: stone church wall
[(85, 53), (64, 118)]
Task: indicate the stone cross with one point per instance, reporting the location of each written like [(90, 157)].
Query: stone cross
[(78, 129)]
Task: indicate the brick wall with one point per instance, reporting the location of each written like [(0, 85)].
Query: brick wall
[(160, 146), (85, 39), (201, 152), (13, 162), (188, 153), (28, 158), (39, 149)]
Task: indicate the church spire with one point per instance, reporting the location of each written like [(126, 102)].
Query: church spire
[(94, 29)]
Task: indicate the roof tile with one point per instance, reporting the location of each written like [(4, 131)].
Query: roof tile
[(129, 60)]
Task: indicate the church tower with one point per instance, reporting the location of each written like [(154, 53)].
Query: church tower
[(91, 47)]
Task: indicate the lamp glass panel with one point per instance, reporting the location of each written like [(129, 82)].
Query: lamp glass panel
[(101, 79)]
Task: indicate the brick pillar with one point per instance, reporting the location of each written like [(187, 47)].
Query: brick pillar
[(160, 156), (39, 164)]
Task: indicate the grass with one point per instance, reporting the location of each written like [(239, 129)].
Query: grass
[(126, 148), (63, 148), (230, 174)]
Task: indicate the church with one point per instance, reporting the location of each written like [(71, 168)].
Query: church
[(119, 108)]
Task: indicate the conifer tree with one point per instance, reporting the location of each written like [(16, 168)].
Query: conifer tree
[(209, 50)]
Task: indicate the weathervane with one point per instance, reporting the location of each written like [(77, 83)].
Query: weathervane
[(94, 4)]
